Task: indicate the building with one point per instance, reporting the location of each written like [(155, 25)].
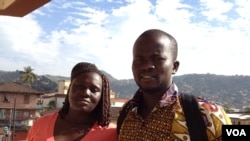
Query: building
[(63, 86), (52, 101), (240, 118), (19, 105), (20, 101)]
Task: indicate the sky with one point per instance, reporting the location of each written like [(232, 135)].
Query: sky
[(213, 35)]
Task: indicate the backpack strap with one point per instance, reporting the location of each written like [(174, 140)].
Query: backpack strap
[(195, 123)]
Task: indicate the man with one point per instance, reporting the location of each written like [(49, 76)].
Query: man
[(155, 113)]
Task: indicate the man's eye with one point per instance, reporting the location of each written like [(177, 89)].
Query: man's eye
[(137, 60), (159, 59)]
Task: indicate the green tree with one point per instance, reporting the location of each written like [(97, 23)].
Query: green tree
[(27, 76), (247, 109), (226, 107), (51, 105)]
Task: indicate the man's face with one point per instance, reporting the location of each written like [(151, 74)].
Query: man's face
[(153, 63)]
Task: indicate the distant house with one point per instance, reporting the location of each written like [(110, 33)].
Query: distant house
[(116, 105), (63, 86), (19, 103), (52, 101), (118, 102), (240, 118)]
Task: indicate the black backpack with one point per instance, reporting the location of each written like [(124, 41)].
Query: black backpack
[(195, 123)]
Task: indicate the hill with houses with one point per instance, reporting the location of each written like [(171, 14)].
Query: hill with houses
[(229, 91)]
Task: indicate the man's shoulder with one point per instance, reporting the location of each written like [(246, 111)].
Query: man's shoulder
[(204, 104), (210, 108)]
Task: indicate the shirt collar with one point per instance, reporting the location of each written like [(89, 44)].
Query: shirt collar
[(169, 96)]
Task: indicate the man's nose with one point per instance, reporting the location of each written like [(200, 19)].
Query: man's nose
[(147, 65)]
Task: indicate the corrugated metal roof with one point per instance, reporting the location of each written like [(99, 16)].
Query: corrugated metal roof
[(239, 115), (16, 87), (53, 95)]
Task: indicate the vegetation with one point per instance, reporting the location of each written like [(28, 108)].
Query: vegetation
[(229, 91), (247, 109), (27, 76), (42, 83), (226, 108), (51, 105)]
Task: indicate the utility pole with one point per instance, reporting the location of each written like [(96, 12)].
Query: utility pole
[(13, 121), (11, 116)]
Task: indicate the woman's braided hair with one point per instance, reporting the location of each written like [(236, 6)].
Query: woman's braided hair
[(102, 110)]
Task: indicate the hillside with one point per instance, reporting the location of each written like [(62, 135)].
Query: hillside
[(232, 91)]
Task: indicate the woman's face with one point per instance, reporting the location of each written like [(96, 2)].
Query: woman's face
[(85, 92)]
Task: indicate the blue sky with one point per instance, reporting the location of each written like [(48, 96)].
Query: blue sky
[(213, 35)]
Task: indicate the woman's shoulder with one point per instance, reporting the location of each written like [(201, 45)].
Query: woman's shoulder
[(46, 117), (106, 133)]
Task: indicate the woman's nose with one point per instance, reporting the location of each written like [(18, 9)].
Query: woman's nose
[(86, 92)]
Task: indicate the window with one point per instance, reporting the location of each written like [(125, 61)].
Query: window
[(16, 114), (26, 99), (6, 98), (39, 100), (66, 87), (2, 113), (26, 114)]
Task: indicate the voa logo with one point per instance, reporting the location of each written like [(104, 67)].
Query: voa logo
[(236, 132)]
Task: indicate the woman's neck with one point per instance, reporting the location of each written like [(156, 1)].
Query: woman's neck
[(79, 117)]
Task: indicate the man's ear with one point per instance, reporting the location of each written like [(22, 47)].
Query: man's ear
[(175, 66)]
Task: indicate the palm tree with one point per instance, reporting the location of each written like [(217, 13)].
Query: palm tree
[(28, 76), (227, 107)]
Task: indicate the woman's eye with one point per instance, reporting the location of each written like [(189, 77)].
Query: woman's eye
[(77, 86), (94, 90), (157, 59)]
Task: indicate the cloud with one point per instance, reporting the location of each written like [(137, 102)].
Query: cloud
[(216, 9), (213, 36)]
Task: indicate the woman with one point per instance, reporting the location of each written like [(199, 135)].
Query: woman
[(85, 115)]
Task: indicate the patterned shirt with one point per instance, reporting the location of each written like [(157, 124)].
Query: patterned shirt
[(166, 122)]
